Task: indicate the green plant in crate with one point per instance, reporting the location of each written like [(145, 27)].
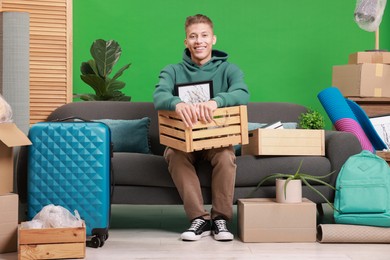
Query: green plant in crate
[(312, 119), (95, 72)]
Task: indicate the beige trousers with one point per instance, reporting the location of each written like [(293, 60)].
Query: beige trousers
[(183, 172)]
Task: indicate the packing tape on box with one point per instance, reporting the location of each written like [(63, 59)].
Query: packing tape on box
[(377, 92), (379, 70), (340, 233)]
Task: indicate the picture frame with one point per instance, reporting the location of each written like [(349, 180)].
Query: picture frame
[(382, 126), (195, 92)]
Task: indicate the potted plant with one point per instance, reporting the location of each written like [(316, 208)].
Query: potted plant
[(96, 72), (300, 177), (312, 119)]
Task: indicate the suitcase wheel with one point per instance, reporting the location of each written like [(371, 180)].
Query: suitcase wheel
[(94, 242)]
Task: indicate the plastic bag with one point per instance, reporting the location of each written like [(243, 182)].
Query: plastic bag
[(368, 14), (52, 216), (5, 111)]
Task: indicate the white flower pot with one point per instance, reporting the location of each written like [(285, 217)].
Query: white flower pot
[(293, 191)]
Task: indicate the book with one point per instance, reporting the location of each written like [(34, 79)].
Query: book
[(275, 125)]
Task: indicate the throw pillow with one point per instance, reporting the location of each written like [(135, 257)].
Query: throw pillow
[(130, 136)]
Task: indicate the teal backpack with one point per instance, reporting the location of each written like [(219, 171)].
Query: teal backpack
[(363, 191)]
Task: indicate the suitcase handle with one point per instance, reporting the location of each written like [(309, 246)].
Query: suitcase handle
[(71, 118)]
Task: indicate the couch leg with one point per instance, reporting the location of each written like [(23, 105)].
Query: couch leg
[(320, 209)]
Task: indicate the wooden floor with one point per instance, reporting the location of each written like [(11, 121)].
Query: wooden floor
[(152, 232)]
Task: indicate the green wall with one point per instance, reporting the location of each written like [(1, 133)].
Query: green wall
[(285, 48)]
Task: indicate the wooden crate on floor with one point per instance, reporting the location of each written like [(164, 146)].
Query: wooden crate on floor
[(51, 243), (285, 142), (229, 127)]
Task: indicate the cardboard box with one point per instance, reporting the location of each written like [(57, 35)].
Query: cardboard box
[(264, 220), (285, 142), (8, 222), (10, 136), (51, 243), (362, 80), (229, 127), (369, 57)]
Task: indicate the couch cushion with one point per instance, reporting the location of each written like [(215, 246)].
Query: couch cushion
[(130, 136), (141, 170)]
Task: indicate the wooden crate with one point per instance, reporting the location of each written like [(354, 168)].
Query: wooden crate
[(229, 127), (385, 155), (285, 142), (51, 243)]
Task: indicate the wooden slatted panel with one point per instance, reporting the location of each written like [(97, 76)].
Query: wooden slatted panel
[(50, 53)]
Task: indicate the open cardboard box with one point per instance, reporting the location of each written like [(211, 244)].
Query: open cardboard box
[(10, 136), (8, 222)]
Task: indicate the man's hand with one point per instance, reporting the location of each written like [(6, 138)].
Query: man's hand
[(205, 110), (187, 113), (191, 114)]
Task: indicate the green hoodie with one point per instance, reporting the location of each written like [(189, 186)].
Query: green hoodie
[(229, 88)]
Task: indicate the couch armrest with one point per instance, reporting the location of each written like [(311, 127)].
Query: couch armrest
[(339, 146)]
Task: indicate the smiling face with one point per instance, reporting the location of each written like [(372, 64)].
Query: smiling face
[(199, 40)]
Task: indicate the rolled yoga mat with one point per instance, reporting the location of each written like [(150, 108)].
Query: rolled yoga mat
[(367, 125), (342, 116), (339, 233)]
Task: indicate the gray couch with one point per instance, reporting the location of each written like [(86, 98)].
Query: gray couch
[(144, 178)]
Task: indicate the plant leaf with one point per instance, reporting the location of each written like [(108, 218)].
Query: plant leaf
[(114, 85), (319, 181), (317, 177), (319, 193), (86, 68), (299, 167), (120, 72), (106, 54), (273, 176), (98, 84), (285, 185), (86, 97)]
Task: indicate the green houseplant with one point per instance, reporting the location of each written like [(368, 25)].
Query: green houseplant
[(305, 178), (96, 72), (312, 119)]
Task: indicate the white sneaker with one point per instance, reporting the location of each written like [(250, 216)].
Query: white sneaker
[(199, 228), (220, 231)]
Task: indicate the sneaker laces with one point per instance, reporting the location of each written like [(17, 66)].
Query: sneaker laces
[(196, 224), (221, 225)]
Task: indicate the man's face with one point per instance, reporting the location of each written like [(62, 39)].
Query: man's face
[(200, 39)]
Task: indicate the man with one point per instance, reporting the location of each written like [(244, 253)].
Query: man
[(202, 63)]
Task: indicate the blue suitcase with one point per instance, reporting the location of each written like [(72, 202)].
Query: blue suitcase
[(69, 165)]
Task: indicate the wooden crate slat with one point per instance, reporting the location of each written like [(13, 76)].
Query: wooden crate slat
[(171, 142), (215, 132), (51, 235), (52, 251), (169, 131), (216, 142)]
